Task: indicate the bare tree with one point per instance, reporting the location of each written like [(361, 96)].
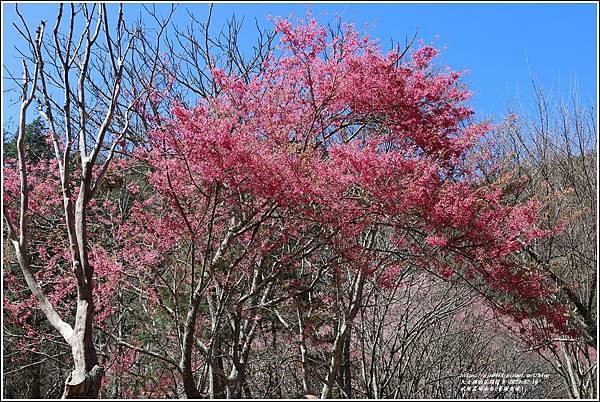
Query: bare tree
[(555, 150), (83, 61)]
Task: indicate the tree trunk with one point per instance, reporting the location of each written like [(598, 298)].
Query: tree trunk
[(237, 381), (306, 388), (346, 371), (216, 388), (335, 362), (83, 385), (85, 380), (343, 333), (187, 347)]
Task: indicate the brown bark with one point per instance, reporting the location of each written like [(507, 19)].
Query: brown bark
[(83, 385), (189, 383), (346, 369), (217, 386)]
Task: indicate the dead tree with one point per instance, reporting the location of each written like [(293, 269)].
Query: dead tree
[(80, 70)]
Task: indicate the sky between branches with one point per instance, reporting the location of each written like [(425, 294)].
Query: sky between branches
[(503, 46)]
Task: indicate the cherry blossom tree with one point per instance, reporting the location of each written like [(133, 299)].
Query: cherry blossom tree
[(334, 161), (221, 222)]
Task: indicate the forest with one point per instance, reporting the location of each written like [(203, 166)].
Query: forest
[(319, 214)]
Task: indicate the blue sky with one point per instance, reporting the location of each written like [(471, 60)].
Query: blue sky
[(502, 45)]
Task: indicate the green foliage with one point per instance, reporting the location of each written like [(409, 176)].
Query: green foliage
[(36, 147)]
